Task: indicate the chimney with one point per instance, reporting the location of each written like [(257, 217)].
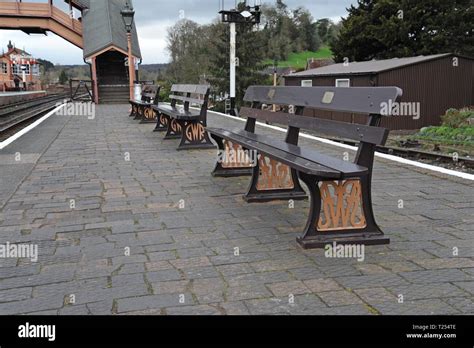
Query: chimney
[(10, 46)]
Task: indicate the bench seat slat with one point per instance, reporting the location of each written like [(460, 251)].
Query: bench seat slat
[(187, 100), (298, 163), (197, 89), (149, 96), (303, 160), (140, 102), (178, 113), (371, 135), (306, 153)]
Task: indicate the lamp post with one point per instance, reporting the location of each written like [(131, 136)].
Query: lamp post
[(250, 15), (128, 15)]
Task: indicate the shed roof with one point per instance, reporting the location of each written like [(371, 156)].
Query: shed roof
[(368, 67), (103, 27)]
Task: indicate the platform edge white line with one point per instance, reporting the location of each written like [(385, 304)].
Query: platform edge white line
[(32, 126), (392, 158)]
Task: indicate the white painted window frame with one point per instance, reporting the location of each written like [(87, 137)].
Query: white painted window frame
[(343, 80)]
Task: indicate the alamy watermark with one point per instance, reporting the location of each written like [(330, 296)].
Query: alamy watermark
[(345, 251), (85, 109), (409, 109), (238, 157), (37, 331), (19, 251)]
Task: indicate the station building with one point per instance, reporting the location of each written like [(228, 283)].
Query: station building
[(95, 26), (19, 70)]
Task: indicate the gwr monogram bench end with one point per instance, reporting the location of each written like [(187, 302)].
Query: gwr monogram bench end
[(340, 191), (143, 109), (181, 122)]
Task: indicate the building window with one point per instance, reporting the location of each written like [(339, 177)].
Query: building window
[(35, 69), (343, 83), (307, 83), (4, 68), (16, 68)]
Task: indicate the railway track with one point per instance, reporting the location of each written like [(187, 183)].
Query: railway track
[(16, 115), (460, 163)]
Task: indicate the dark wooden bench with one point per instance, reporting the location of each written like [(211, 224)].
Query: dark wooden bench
[(340, 191), (142, 109), (181, 122)]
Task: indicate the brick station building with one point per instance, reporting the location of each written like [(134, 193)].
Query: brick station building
[(19, 70)]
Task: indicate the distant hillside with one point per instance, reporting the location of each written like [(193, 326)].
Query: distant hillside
[(152, 72), (298, 60), (154, 67)]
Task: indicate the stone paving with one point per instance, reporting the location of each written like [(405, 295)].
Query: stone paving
[(127, 225)]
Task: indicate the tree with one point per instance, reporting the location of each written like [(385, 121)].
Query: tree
[(328, 30), (383, 29), (250, 53), (251, 56), (47, 65), (219, 58), (278, 31), (201, 52), (63, 78), (187, 43), (307, 33), (322, 25)]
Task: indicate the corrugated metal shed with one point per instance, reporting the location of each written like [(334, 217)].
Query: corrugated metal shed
[(104, 27), (372, 66), (436, 82)]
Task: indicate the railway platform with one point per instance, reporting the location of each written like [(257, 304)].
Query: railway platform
[(125, 224), (7, 98)]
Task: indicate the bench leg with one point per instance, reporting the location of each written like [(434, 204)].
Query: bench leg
[(340, 212), (149, 115), (133, 111), (241, 165), (139, 113), (194, 136), (272, 180), (162, 122), (174, 129)]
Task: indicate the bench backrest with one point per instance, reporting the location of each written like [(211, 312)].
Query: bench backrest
[(151, 93), (359, 100), (188, 95)]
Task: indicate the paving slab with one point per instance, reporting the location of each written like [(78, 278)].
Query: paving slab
[(128, 225)]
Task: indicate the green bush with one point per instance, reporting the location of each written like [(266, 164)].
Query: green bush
[(454, 130), (165, 91), (457, 118), (463, 135)]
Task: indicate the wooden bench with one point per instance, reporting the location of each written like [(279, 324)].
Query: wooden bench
[(180, 121), (142, 109), (340, 191)]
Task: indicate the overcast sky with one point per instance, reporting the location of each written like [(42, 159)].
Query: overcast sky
[(153, 17)]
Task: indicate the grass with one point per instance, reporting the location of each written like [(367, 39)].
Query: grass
[(447, 135), (298, 60)]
